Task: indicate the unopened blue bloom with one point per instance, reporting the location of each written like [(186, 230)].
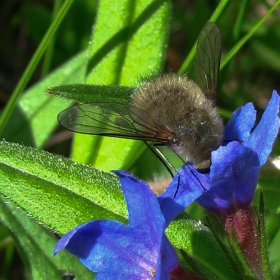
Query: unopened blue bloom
[(139, 250)]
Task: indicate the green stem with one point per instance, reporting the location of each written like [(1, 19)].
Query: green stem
[(244, 269), (239, 20), (32, 65), (235, 35), (264, 252), (49, 52)]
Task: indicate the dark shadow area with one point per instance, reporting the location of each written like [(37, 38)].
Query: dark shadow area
[(18, 129)]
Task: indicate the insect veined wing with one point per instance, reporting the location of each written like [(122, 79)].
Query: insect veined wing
[(112, 119), (207, 59)]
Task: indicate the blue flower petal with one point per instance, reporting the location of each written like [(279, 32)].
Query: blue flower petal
[(262, 138), (168, 260), (240, 124), (167, 251), (233, 178), (141, 204), (116, 251), (187, 185), (145, 210), (113, 241)]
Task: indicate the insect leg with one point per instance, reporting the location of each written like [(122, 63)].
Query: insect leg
[(186, 163), (162, 158), (169, 166), (165, 162)]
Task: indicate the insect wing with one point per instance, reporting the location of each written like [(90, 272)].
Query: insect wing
[(207, 59), (110, 119)]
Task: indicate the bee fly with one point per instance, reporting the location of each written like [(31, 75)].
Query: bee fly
[(169, 110)]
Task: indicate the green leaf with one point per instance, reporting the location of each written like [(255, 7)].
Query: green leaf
[(193, 237), (56, 191), (35, 244), (84, 93), (267, 271), (125, 47), (35, 116), (274, 254)]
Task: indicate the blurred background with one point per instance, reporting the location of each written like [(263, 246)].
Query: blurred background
[(251, 75)]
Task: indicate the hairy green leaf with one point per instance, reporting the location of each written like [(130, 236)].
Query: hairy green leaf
[(56, 191), (124, 47), (35, 244)]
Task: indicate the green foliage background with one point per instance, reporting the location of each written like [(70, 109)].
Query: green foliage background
[(129, 39)]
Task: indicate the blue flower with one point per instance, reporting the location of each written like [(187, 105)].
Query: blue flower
[(235, 166), (233, 176), (139, 250)]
